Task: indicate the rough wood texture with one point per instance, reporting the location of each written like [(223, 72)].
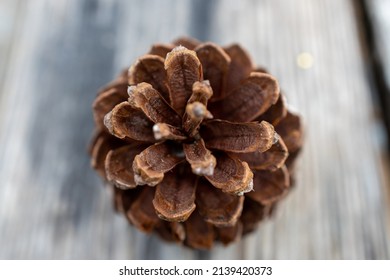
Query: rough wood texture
[(52, 205), (10, 28)]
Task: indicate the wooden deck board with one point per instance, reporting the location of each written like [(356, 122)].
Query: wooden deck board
[(11, 13), (52, 205)]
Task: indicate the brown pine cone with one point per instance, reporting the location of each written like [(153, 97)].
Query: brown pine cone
[(196, 143)]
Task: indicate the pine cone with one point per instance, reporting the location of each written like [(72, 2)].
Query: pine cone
[(196, 143)]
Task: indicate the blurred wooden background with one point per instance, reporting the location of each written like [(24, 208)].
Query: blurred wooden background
[(54, 55)]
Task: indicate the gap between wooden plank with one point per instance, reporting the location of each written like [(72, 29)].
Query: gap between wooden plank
[(375, 68)]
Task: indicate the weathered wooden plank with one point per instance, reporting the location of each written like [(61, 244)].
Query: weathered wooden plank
[(339, 208), (52, 205), (11, 13)]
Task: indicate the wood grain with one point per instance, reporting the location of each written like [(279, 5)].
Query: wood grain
[(52, 205), (11, 14)]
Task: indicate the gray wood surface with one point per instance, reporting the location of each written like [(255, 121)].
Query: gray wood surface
[(52, 205), (10, 27)]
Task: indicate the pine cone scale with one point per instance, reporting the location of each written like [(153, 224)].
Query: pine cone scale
[(231, 175), (189, 43), (215, 64), (117, 166), (200, 158), (161, 49), (240, 67), (124, 121), (152, 163), (150, 69), (219, 209), (271, 159), (290, 129), (229, 234), (270, 186), (104, 103), (183, 70), (249, 100), (276, 112), (199, 233), (144, 97), (238, 137), (101, 145), (174, 199), (142, 213)]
